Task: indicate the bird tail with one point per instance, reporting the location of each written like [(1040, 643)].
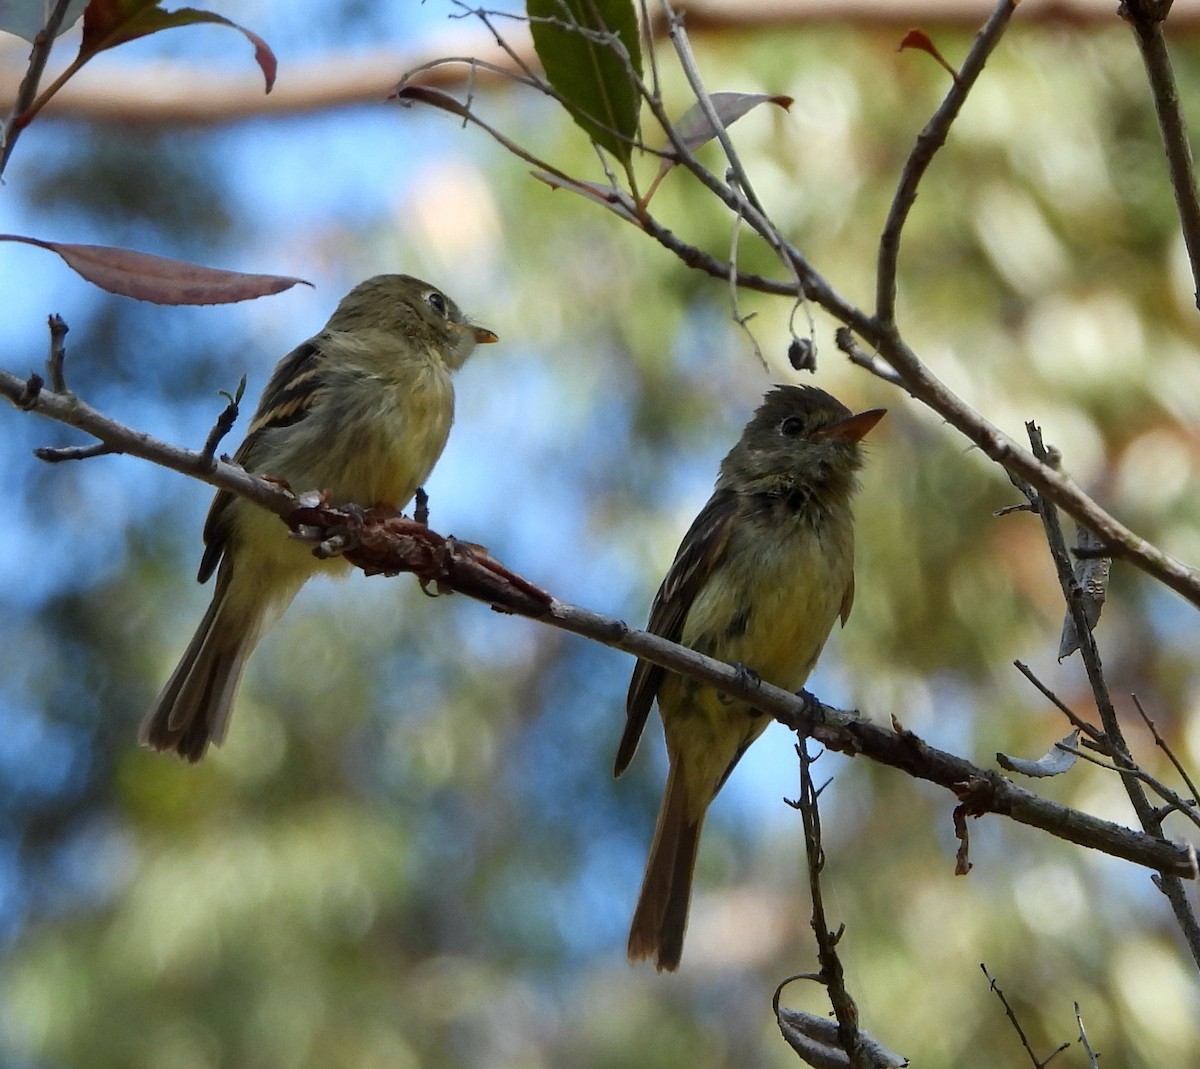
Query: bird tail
[(193, 708), (660, 918)]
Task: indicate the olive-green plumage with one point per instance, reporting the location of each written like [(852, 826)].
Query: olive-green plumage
[(362, 411), (759, 579)]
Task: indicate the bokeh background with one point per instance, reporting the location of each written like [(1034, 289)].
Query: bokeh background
[(411, 850)]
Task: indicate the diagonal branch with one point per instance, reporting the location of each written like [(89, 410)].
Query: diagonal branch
[(27, 90), (929, 140), (392, 544), (1146, 17)]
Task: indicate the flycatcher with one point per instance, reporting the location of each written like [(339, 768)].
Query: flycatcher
[(362, 410), (759, 579)]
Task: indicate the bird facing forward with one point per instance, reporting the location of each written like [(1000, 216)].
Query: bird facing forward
[(759, 579), (361, 411)]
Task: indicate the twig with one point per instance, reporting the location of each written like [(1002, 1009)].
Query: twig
[(1175, 802), (1166, 749), (119, 438), (1146, 17), (57, 454), (929, 140), (1150, 820), (1077, 722), (742, 321), (1093, 1057), (225, 421), (1038, 1063), (872, 362), (27, 91), (687, 61), (58, 354), (831, 974)]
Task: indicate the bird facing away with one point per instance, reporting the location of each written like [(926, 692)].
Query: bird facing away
[(361, 411), (759, 579)]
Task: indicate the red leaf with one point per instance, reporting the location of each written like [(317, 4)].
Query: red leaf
[(108, 23), (435, 98), (158, 279), (921, 41)]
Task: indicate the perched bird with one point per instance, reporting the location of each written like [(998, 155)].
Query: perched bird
[(759, 579), (362, 410)]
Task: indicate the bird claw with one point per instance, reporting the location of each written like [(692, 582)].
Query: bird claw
[(746, 677)]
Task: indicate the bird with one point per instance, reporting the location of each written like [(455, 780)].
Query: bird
[(361, 411), (759, 579)]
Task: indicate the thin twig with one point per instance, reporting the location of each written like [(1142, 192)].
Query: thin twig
[(69, 409), (225, 421), (832, 974), (58, 354), (1146, 17), (1093, 1057), (57, 454), (735, 308), (1076, 721), (687, 62), (27, 92), (872, 362), (1038, 1063), (1166, 749), (1175, 802), (1118, 749), (932, 138)]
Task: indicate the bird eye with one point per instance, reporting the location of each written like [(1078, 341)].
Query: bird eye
[(791, 426), (437, 302)]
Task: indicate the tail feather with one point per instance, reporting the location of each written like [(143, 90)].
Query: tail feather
[(192, 711), (660, 919)]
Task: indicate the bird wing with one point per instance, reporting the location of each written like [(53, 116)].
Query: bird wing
[(286, 399), (847, 601), (699, 553)]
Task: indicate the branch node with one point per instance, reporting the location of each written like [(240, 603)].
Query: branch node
[(58, 353), (28, 397), (224, 424), (57, 454)]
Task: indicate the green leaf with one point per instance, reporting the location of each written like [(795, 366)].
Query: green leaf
[(574, 40), (108, 23)]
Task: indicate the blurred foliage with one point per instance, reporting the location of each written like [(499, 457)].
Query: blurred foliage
[(411, 851)]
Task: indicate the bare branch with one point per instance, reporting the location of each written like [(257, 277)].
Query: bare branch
[(1093, 1057), (832, 975), (1150, 820), (1038, 1063), (27, 90), (1146, 17), (68, 409), (366, 541), (153, 93), (929, 140)]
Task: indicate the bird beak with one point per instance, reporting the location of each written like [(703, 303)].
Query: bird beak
[(853, 428), (482, 335)]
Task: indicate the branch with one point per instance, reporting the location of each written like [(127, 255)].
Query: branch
[(1146, 17), (929, 140), (390, 544), (1038, 1063), (27, 90), (1150, 819), (30, 395), (157, 93)]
